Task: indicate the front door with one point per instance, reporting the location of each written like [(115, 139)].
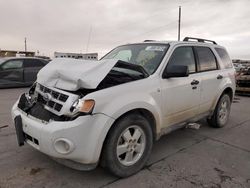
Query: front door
[(181, 96)]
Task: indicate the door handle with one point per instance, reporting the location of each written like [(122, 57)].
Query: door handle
[(219, 77), (195, 82)]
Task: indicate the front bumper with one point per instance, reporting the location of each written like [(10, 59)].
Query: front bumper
[(85, 136)]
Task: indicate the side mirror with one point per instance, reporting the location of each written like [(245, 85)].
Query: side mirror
[(176, 71)]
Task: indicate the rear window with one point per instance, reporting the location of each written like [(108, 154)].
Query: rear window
[(207, 60), (226, 61)]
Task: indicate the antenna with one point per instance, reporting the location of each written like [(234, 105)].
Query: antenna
[(90, 31), (179, 24)]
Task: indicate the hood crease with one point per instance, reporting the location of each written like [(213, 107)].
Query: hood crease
[(73, 74)]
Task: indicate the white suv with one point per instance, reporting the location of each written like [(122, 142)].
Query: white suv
[(82, 112)]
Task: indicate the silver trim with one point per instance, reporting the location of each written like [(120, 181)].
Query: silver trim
[(65, 110)]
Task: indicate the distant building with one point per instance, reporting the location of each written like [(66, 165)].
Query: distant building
[(90, 56), (13, 53)]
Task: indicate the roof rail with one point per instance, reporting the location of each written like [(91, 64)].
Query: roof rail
[(148, 40), (199, 40)]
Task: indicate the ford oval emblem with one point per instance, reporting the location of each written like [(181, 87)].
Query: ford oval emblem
[(47, 97)]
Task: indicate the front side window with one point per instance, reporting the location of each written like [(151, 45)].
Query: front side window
[(206, 59), (183, 56), (12, 64), (149, 56)]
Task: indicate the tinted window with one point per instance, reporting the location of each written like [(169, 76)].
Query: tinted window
[(206, 58), (13, 64), (183, 56), (33, 63), (226, 61)]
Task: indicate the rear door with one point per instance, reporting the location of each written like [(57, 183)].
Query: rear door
[(31, 68), (211, 77), (11, 73), (181, 96)]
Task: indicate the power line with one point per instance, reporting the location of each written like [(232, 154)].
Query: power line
[(155, 14), (90, 31), (149, 31)]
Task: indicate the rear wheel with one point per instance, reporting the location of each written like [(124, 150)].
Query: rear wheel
[(128, 146), (221, 113)]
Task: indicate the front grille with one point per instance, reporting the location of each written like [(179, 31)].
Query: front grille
[(55, 101), (54, 94), (51, 104)]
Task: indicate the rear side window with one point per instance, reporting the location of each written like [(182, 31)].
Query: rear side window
[(226, 61), (206, 59), (183, 56), (33, 63)]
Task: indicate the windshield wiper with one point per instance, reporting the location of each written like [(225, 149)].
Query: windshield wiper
[(124, 74), (131, 66)]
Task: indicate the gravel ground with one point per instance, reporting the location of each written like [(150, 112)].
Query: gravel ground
[(206, 157)]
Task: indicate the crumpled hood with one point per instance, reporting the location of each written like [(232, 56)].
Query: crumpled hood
[(73, 74)]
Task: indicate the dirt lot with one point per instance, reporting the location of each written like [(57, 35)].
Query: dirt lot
[(186, 158)]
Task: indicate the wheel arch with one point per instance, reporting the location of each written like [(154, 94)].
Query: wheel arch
[(227, 90), (141, 111)]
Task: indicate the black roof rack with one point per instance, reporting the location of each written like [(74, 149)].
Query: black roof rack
[(148, 40), (199, 40)]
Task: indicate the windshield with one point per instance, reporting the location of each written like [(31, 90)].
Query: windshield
[(149, 56)]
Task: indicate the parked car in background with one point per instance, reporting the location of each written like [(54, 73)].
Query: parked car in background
[(243, 80), (19, 71)]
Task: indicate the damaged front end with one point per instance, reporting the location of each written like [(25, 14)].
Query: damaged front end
[(47, 104), (50, 103)]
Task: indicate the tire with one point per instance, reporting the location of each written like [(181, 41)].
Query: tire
[(221, 113), (128, 146)]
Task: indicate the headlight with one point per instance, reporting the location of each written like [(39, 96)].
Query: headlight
[(85, 106)]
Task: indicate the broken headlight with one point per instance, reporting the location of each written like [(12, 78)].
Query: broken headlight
[(85, 106)]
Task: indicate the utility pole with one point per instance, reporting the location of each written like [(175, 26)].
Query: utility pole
[(179, 24), (25, 45)]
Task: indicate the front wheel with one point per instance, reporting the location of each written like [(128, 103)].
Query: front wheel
[(221, 113), (128, 145)]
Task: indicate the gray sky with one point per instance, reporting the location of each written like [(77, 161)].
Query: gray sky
[(63, 25)]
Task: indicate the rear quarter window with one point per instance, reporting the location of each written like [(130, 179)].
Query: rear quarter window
[(225, 59)]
